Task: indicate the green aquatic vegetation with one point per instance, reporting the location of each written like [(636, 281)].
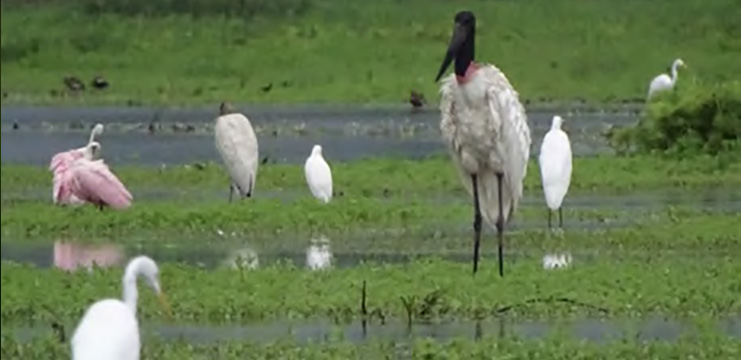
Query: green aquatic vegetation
[(156, 52), (692, 119), (435, 290), (394, 177), (275, 218), (707, 346)]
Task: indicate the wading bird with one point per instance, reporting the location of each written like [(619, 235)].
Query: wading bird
[(237, 145), (664, 82), (555, 167), (109, 329), (61, 162), (318, 175), (485, 128), (92, 181)]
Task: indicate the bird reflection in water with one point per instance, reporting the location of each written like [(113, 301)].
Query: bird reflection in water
[(319, 254), (70, 256), (556, 261)]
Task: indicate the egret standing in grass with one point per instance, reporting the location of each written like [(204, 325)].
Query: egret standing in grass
[(318, 175), (109, 330), (237, 145), (664, 82), (486, 130), (555, 167)]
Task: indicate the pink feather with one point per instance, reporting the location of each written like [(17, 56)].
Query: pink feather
[(93, 181)]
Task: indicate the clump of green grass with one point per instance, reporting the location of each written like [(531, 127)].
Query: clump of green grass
[(435, 289), (693, 119), (335, 51), (394, 177)]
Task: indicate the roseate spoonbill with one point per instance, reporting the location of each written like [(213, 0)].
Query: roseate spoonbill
[(555, 167), (109, 329), (237, 145), (93, 181), (318, 175), (663, 82), (61, 162), (487, 133)]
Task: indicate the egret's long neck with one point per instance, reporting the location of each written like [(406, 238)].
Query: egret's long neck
[(674, 72), (130, 292)]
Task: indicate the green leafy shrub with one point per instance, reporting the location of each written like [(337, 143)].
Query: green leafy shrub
[(697, 119)]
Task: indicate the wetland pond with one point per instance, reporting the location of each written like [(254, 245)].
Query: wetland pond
[(162, 137), (184, 136)]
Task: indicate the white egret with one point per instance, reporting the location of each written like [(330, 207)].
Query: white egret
[(318, 175), (486, 130), (555, 167), (664, 82), (109, 330), (237, 145)]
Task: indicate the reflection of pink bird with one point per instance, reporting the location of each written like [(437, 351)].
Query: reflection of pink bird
[(93, 181), (61, 162), (69, 256)]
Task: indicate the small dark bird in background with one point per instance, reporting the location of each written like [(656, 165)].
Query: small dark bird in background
[(99, 82), (266, 88), (15, 125), (74, 84), (416, 99)]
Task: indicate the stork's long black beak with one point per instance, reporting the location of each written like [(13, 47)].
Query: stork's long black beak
[(459, 37)]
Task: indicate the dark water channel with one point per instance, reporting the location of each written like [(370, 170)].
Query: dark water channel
[(597, 330), (285, 134)]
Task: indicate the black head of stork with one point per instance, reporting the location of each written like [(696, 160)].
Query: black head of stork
[(461, 47)]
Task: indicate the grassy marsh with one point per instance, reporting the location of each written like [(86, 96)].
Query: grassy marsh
[(391, 177), (334, 51), (433, 290)]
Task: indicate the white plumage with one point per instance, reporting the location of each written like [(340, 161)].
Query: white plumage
[(237, 144), (318, 175), (319, 254), (555, 167), (486, 130), (664, 82), (109, 329)]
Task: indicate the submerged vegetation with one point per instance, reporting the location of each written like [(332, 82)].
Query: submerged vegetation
[(298, 51), (694, 119)]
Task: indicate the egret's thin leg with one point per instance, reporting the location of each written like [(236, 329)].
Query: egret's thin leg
[(500, 224), (550, 213), (231, 192), (476, 223), (560, 218)]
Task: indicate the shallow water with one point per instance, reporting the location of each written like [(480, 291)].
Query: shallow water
[(596, 330), (285, 134)]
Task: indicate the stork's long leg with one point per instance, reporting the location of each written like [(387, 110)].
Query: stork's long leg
[(550, 214), (476, 223), (560, 218), (500, 223), (231, 192)]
